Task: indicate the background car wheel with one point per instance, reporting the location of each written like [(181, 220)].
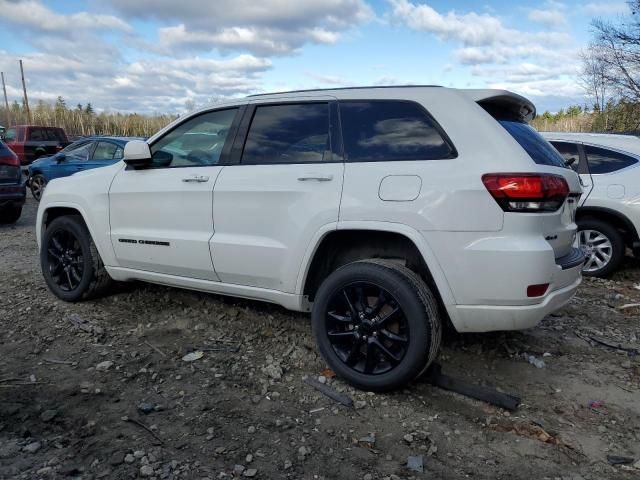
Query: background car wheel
[(603, 246), (376, 324), (37, 186), (70, 261), (10, 215)]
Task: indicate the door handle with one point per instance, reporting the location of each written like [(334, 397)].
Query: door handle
[(196, 179), (316, 177)]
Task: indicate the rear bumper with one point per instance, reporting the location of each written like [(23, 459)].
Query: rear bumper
[(487, 318), (12, 195)]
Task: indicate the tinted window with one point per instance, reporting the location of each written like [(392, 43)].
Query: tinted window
[(390, 130), (37, 134), (293, 133), (105, 151), (601, 160), (569, 152), (196, 142), (10, 135), (532, 142)]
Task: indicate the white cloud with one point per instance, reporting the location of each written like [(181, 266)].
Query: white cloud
[(33, 14), (469, 28), (266, 27), (554, 18), (530, 63)]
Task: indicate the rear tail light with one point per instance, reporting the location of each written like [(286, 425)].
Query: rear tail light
[(527, 192), (9, 158)]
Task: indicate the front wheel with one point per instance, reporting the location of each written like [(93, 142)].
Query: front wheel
[(602, 245), (376, 324), (37, 186), (70, 262)]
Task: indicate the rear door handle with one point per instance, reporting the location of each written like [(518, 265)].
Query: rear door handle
[(316, 177), (196, 179)]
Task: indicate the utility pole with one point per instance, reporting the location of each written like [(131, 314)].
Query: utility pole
[(24, 89), (6, 102)]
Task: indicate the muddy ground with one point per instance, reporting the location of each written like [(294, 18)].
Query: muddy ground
[(100, 390)]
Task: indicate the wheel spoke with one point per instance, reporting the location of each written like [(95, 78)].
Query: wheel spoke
[(360, 300), (393, 337), (370, 358), (384, 320), (341, 337), (339, 318), (54, 254), (352, 309), (381, 302), (352, 356), (69, 279), (75, 274), (394, 359), (57, 245)]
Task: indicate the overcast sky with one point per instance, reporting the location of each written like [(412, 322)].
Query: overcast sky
[(164, 55)]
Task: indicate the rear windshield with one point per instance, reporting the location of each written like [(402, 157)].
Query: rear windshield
[(47, 134), (537, 147)]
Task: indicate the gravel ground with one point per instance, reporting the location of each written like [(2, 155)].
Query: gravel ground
[(101, 390)]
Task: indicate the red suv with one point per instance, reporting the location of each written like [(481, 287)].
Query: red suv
[(31, 141)]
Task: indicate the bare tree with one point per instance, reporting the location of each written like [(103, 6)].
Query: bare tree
[(618, 47), (594, 76)]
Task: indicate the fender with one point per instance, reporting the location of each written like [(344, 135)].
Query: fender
[(421, 243), (585, 210), (104, 249)]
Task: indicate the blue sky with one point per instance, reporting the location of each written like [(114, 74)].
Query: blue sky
[(168, 56)]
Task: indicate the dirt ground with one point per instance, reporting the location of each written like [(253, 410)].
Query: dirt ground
[(100, 390)]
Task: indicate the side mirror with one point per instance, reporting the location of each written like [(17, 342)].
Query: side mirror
[(137, 154), (61, 157)]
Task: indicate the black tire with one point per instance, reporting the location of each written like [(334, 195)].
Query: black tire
[(93, 277), (10, 215), (418, 309), (613, 235), (37, 186)]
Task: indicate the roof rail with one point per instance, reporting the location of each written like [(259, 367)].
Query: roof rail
[(341, 88)]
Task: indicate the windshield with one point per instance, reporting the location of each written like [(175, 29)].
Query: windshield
[(537, 147)]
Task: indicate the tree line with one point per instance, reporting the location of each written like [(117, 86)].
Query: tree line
[(83, 120), (610, 77)]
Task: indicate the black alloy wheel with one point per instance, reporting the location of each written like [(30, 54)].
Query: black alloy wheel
[(65, 259), (376, 323), (367, 328)]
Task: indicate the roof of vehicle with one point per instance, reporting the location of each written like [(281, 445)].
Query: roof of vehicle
[(500, 98), (120, 140), (630, 143)]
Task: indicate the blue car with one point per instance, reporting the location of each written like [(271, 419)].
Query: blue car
[(84, 154)]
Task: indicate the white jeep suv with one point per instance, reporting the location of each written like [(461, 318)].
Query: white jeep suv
[(608, 215), (383, 211)]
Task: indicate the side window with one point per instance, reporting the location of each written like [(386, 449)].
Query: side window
[(601, 160), (105, 151), (119, 153), (21, 134), (78, 152), (196, 142), (569, 152), (37, 134), (390, 130), (10, 135), (290, 133)]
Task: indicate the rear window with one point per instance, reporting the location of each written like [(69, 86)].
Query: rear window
[(390, 130), (49, 134), (602, 160), (532, 142)]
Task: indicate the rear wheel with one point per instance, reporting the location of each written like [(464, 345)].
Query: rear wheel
[(602, 245), (70, 262), (37, 186), (376, 324), (10, 215)]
